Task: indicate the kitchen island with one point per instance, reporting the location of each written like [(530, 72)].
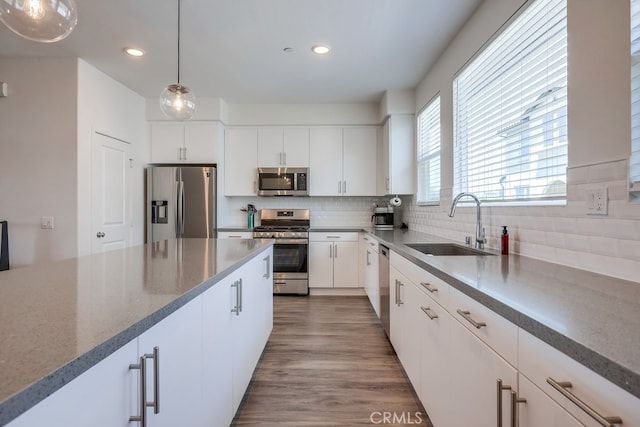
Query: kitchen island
[(59, 320)]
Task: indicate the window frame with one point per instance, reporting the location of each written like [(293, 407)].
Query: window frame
[(431, 153)]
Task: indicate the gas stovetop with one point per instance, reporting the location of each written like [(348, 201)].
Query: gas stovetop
[(283, 224)]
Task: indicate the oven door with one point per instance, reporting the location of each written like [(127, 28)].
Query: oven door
[(290, 259)]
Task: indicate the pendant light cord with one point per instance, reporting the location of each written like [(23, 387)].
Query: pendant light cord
[(178, 42)]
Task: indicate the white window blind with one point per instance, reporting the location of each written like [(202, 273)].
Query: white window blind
[(634, 166), (510, 111), (428, 153)]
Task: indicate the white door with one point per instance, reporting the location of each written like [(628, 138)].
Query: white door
[(111, 195)]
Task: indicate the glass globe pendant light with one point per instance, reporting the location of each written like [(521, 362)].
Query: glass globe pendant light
[(177, 101), (43, 21)]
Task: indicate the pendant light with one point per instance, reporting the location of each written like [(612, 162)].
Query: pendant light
[(178, 102), (43, 21)]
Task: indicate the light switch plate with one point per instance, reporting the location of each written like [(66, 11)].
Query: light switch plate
[(46, 223), (597, 200)]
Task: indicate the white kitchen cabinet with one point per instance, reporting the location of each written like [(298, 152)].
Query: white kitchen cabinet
[(343, 161), (104, 396), (283, 146), (241, 162), (178, 338), (193, 142), (539, 410), (475, 370), (539, 362), (235, 234), (397, 311), (396, 173), (369, 276), (333, 260)]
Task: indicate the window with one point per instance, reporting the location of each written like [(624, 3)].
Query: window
[(428, 153), (634, 164), (510, 111)]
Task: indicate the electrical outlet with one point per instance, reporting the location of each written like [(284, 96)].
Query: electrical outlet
[(597, 201), (46, 222)]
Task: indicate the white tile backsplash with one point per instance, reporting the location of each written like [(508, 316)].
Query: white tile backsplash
[(562, 234)]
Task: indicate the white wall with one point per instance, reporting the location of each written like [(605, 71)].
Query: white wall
[(38, 157), (107, 106), (599, 145)]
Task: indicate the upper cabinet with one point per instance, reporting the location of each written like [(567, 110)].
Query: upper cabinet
[(397, 155), (343, 161), (191, 142), (240, 160), (283, 147)]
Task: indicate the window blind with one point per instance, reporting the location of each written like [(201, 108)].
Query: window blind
[(428, 153), (634, 164), (510, 111)]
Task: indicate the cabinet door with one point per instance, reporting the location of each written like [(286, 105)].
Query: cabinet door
[(413, 319), (201, 142), (178, 338), (435, 367), (360, 161), (473, 379), (540, 410), (296, 147), (372, 279), (167, 142), (217, 345), (104, 396), (240, 162), (383, 160), (325, 161), (321, 264), (270, 153), (345, 264), (400, 154), (397, 285)]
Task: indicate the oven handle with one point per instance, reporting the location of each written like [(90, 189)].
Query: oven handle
[(292, 241)]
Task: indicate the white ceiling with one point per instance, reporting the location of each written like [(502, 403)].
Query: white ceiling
[(233, 49)]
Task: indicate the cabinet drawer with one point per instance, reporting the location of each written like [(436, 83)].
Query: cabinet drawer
[(493, 329), (235, 235), (436, 288), (370, 242), (330, 237), (539, 361)]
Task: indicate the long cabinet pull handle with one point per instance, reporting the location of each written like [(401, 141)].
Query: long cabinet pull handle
[(339, 187), (396, 289), (156, 379), (335, 250), (236, 308), (331, 250), (514, 407), (344, 187), (562, 386), (267, 273), (142, 407), (400, 302), (368, 255), (427, 311), (240, 295), (467, 316), (429, 287), (500, 388)]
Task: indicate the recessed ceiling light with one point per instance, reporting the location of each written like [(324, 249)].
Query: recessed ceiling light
[(133, 51), (320, 49)]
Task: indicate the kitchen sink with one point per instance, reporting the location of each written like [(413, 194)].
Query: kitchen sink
[(445, 249)]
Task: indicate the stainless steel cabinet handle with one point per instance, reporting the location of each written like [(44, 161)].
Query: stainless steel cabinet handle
[(427, 311), (514, 407), (333, 237), (500, 388), (562, 386), (428, 287), (335, 250), (255, 187), (344, 187), (396, 291), (368, 255), (267, 273), (240, 295), (467, 316), (285, 158), (387, 184), (185, 153), (331, 250), (236, 308), (400, 285), (142, 366), (339, 187)]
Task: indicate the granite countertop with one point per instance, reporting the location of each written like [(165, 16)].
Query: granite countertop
[(59, 319), (594, 319)]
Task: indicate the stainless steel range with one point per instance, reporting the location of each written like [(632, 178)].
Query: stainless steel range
[(290, 229)]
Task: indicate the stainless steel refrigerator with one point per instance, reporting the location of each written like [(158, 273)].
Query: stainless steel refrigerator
[(181, 202)]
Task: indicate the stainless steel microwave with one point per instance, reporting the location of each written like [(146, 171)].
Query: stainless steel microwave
[(283, 181)]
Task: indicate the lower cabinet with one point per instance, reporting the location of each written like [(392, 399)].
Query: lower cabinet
[(333, 260), (368, 273), (198, 362), (536, 409)]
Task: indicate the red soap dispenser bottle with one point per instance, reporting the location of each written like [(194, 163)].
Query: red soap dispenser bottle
[(505, 240)]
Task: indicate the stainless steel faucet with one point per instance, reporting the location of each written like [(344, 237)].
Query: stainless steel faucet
[(480, 238)]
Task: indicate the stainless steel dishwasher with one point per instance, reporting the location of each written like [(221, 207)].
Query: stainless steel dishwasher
[(383, 289)]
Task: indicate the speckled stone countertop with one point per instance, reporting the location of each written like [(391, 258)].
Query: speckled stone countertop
[(57, 320), (594, 319)]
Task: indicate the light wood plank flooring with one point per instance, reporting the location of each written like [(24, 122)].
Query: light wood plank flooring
[(328, 363)]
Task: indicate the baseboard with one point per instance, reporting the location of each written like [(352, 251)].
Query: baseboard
[(337, 291)]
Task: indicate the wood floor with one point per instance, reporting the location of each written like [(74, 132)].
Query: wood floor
[(329, 363)]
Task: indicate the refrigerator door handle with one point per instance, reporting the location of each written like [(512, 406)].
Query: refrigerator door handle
[(180, 208)]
